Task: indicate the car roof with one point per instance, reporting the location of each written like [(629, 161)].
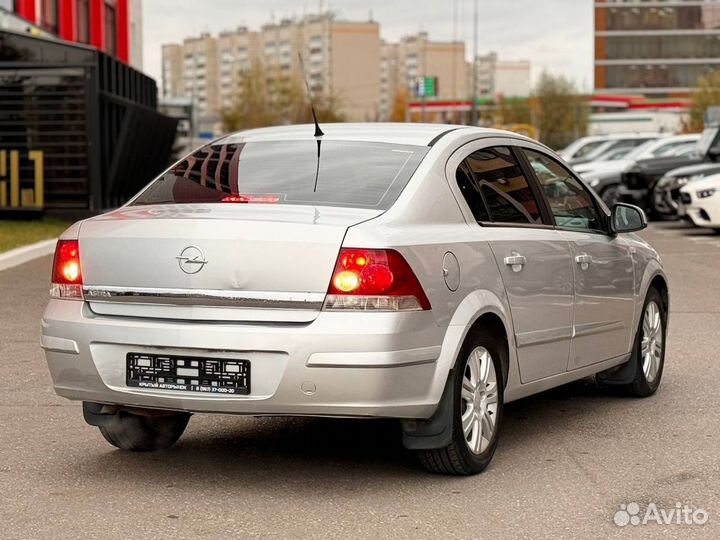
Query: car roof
[(379, 132)]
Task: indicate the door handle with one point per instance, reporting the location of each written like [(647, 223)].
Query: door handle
[(515, 261), (584, 260)]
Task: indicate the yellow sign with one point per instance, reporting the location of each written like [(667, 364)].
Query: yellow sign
[(12, 195)]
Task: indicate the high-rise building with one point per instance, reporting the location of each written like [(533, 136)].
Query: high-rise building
[(112, 26), (389, 77), (504, 78), (341, 60), (406, 65), (200, 73), (443, 60), (236, 52), (655, 47)]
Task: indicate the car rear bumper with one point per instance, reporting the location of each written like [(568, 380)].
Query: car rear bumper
[(341, 364)]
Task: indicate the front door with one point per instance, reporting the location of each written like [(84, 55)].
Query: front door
[(603, 267)]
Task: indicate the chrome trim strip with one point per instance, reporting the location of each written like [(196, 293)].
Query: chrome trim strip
[(205, 298), (589, 329), (386, 359), (540, 337)]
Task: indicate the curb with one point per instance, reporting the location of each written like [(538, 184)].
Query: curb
[(21, 255)]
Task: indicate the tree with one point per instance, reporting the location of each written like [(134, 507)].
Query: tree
[(706, 95), (268, 97), (399, 105), (514, 111), (561, 113)]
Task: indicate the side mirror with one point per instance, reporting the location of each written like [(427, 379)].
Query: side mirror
[(626, 218)]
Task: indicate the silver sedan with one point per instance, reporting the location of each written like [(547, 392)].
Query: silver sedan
[(427, 273)]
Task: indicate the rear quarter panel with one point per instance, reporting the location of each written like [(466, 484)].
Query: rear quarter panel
[(425, 224)]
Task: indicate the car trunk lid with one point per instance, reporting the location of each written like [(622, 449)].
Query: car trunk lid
[(213, 262)]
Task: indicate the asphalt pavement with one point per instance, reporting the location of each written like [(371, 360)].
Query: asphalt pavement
[(567, 459)]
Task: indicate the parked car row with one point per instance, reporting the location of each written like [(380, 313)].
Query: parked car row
[(670, 176)]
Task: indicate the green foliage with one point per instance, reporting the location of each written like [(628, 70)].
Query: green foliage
[(20, 233), (269, 98), (514, 111), (562, 114), (706, 95)]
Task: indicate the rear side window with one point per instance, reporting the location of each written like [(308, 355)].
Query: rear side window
[(496, 189), (327, 173)]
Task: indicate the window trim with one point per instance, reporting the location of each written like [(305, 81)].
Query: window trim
[(604, 218)]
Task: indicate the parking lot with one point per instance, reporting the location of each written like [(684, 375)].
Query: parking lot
[(567, 459)]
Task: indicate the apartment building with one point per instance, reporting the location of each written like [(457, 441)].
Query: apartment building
[(497, 77), (236, 52), (200, 79), (389, 78), (416, 57), (340, 60), (444, 60), (172, 80), (656, 48)]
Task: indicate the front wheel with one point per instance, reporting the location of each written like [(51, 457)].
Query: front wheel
[(477, 410), (648, 357), (142, 433)]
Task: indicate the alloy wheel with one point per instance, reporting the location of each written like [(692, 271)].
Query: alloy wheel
[(651, 346), (479, 400)]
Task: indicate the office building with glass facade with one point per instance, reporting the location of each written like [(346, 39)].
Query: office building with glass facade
[(657, 48)]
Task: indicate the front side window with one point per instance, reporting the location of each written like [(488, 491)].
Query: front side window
[(498, 182), (305, 172), (570, 203)]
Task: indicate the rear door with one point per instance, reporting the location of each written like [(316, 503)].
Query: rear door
[(603, 265), (534, 260)]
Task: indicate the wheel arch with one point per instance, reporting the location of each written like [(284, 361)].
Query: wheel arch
[(480, 309), (659, 283)]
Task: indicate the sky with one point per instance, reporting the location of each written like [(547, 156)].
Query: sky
[(555, 35)]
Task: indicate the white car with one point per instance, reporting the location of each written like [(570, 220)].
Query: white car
[(651, 149), (592, 147), (701, 202)]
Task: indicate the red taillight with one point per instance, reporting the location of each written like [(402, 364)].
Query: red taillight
[(374, 280), (267, 199), (66, 274)]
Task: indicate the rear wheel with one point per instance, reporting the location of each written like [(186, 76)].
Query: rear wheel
[(477, 410), (139, 433)]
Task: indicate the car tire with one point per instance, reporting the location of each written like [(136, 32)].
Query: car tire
[(478, 405), (137, 433), (648, 355), (611, 195)]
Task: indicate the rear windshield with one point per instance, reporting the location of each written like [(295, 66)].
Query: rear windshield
[(329, 173)]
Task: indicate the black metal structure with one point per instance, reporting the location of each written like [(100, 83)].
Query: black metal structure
[(93, 118)]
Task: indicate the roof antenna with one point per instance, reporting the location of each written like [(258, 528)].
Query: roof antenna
[(318, 131)]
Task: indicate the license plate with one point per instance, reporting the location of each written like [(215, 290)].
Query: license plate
[(188, 374)]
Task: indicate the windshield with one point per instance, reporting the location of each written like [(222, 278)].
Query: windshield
[(329, 173)]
